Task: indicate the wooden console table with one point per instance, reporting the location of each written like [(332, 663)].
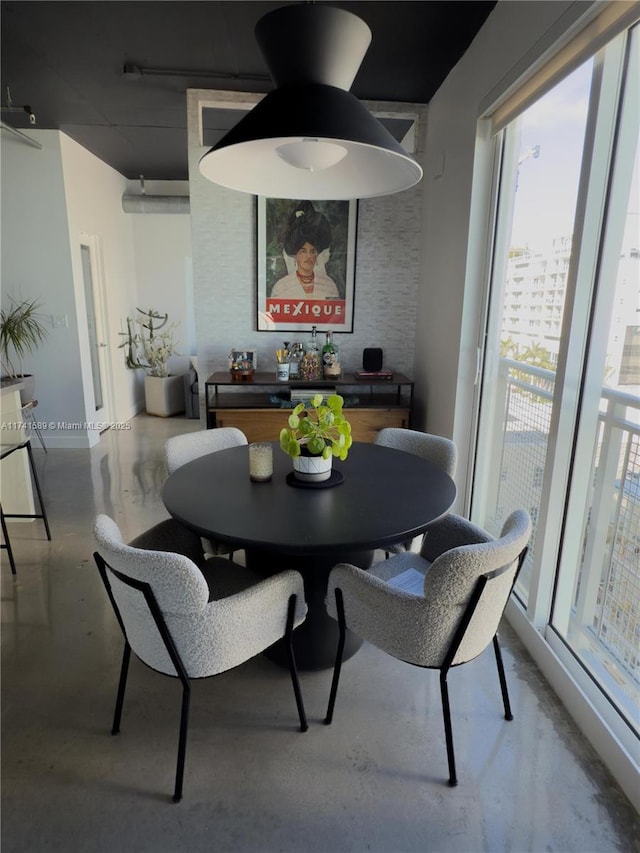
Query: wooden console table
[(259, 407)]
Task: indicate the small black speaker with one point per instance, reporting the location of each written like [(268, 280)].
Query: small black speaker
[(372, 359)]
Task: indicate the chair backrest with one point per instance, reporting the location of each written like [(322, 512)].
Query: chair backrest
[(435, 448), (180, 449), (177, 584), (467, 589)]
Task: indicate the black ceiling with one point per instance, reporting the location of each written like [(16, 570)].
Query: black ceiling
[(66, 60)]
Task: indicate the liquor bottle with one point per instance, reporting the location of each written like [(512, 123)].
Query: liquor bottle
[(311, 366), (295, 357), (330, 358)]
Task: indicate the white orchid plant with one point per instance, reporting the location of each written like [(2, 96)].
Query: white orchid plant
[(149, 342)]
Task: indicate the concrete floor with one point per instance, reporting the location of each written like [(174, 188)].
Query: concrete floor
[(373, 781)]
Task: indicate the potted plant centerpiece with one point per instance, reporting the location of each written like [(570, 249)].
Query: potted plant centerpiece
[(21, 333), (315, 435), (148, 345)]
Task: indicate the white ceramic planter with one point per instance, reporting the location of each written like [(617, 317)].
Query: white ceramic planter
[(313, 469), (27, 394), (164, 395)]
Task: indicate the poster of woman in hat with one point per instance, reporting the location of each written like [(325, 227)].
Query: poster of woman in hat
[(306, 264)]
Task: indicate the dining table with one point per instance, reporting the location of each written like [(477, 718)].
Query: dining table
[(377, 496)]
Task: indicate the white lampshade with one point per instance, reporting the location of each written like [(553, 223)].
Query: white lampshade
[(310, 137)]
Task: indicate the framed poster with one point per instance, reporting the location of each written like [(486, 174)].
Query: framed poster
[(306, 264)]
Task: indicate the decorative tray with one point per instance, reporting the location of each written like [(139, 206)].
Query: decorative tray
[(335, 479)]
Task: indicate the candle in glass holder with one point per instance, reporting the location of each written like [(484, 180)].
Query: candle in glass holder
[(260, 462)]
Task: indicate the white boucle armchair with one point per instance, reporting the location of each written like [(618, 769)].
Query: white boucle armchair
[(434, 448), (188, 620), (466, 577), (180, 449)]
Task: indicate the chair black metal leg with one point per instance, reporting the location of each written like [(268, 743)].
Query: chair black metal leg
[(448, 731), (40, 439), (124, 669), (29, 418), (293, 669), (7, 543), (338, 664), (503, 679), (37, 485), (182, 741)]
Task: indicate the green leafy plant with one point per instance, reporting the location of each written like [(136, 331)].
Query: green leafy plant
[(149, 342), (321, 429), (21, 333)]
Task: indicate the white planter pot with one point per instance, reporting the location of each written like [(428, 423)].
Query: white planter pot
[(313, 469), (27, 392), (164, 395)]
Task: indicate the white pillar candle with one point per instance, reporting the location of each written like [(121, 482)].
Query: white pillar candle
[(260, 462)]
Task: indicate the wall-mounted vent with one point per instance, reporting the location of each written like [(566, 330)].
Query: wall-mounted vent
[(143, 203), (156, 203)]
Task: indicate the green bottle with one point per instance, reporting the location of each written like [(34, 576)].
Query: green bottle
[(330, 358)]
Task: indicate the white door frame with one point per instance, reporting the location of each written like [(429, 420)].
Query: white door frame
[(105, 414)]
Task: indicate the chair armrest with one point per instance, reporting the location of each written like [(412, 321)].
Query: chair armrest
[(245, 624), (395, 621), (449, 532)]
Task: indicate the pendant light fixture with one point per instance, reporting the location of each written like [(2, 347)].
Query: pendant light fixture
[(310, 137)]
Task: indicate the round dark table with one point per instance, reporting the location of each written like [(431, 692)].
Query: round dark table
[(387, 496)]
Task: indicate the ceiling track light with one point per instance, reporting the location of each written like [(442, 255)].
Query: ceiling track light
[(311, 137), (132, 71)]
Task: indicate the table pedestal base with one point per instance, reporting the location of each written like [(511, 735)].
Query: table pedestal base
[(315, 642)]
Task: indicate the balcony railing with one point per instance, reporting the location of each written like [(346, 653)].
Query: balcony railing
[(603, 627)]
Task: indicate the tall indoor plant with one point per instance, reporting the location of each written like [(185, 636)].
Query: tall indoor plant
[(148, 344), (315, 435), (21, 333)]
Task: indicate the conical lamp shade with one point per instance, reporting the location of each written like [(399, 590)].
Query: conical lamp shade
[(310, 137)]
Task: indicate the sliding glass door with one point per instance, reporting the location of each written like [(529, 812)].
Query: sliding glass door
[(596, 609), (542, 153), (559, 427)]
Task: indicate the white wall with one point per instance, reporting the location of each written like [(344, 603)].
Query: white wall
[(36, 264), (164, 276)]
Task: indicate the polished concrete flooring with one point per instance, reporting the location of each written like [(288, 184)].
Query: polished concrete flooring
[(373, 781)]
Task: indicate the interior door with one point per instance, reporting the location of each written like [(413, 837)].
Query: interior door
[(97, 331)]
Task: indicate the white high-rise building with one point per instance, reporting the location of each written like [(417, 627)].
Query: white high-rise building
[(534, 297)]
